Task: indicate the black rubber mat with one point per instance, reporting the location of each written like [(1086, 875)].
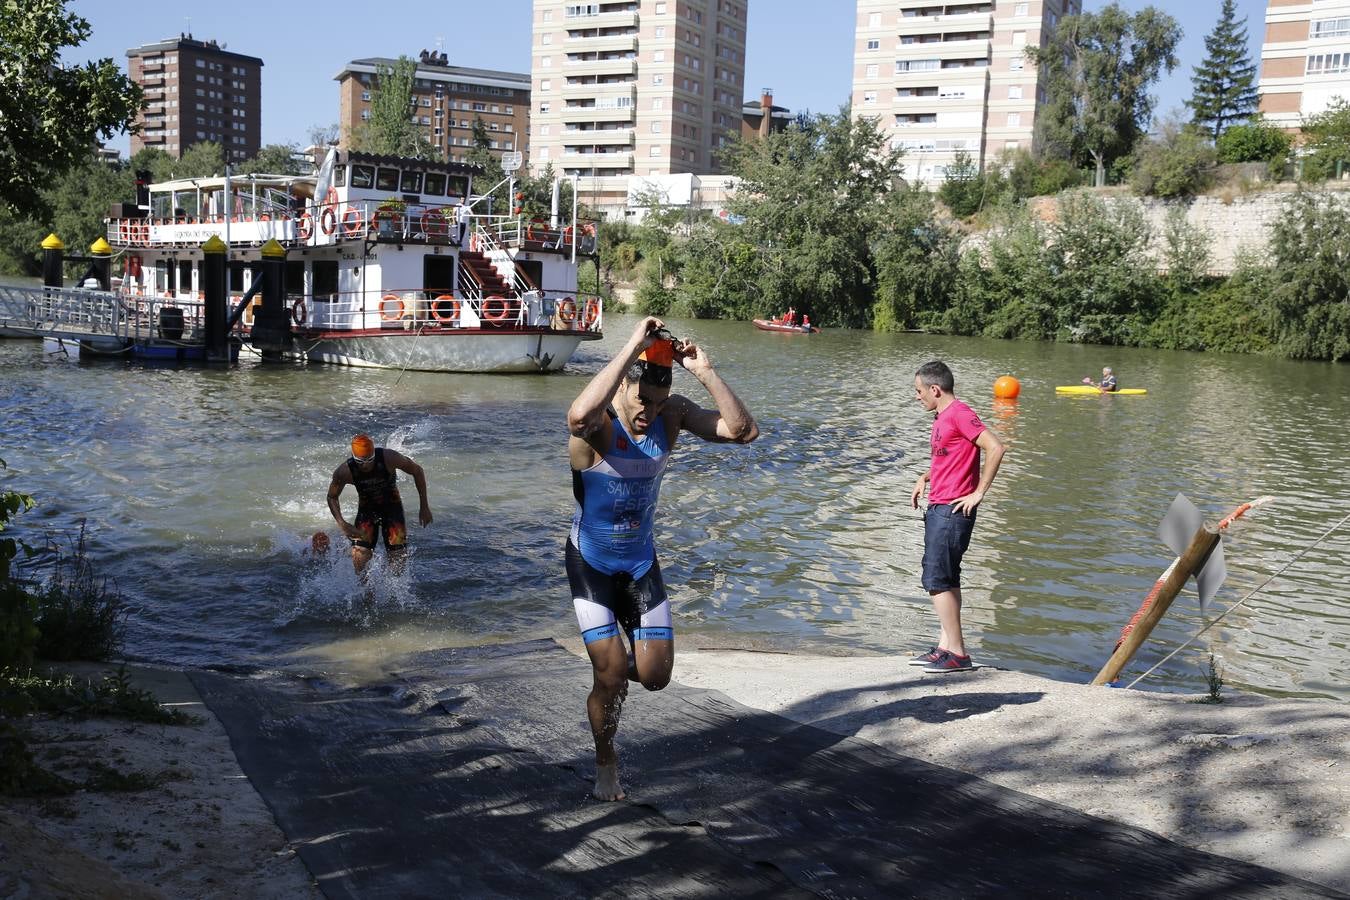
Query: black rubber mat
[(466, 777)]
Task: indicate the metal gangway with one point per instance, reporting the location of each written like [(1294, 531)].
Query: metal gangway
[(98, 317)]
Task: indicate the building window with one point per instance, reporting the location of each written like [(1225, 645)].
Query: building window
[(916, 65), (656, 128), (874, 45), (658, 80), (659, 56), (1328, 63), (870, 97), (660, 9), (546, 85), (1330, 28), (1014, 92), (874, 20), (543, 106), (1016, 63), (548, 15), (655, 151), (1014, 120), (1019, 38), (660, 31), (1020, 9), (546, 62), (872, 70), (546, 39)]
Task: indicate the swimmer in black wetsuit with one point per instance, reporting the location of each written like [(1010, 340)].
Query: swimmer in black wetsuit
[(373, 470), (624, 426)]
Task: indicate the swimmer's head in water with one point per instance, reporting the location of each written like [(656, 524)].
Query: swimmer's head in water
[(363, 448)]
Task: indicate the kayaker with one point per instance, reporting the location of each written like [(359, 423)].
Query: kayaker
[(623, 428), (956, 483), (1108, 383)]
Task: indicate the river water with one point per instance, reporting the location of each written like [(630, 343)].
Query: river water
[(200, 490)]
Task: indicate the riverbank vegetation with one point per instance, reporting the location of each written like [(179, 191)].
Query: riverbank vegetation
[(58, 609)]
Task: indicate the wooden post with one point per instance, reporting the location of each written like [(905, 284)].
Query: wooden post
[(215, 298), (1190, 562)]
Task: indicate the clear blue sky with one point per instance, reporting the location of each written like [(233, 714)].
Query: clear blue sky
[(800, 48)]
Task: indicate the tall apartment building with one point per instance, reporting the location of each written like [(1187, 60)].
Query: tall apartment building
[(635, 87), (446, 101), (947, 77), (197, 91), (1305, 59)]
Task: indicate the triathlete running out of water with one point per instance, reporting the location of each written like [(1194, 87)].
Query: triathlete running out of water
[(624, 426), (379, 508)]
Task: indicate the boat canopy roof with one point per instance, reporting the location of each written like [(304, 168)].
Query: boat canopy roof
[(357, 157), (237, 182)]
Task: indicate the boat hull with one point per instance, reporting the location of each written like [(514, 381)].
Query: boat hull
[(459, 351), (766, 325)]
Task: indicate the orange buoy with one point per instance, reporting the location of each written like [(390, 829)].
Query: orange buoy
[(1007, 388)]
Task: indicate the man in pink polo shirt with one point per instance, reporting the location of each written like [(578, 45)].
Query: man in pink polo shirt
[(956, 484)]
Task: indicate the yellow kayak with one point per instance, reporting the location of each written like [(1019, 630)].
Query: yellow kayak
[(1089, 389)]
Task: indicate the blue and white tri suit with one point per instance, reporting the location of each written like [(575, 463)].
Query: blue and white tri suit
[(611, 553)]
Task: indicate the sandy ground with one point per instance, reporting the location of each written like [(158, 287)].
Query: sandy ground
[(1252, 778), (203, 832)]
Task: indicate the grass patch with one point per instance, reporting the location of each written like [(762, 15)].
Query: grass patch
[(113, 695), (79, 614)]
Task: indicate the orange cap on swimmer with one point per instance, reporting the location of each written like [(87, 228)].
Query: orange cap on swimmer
[(660, 353), (363, 448)]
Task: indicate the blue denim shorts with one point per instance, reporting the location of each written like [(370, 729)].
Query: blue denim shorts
[(946, 535)]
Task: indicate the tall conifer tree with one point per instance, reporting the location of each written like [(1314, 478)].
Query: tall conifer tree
[(1225, 83)]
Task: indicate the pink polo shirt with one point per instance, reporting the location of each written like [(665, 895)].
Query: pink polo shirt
[(955, 467)]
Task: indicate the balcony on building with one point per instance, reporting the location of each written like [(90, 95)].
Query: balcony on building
[(618, 65), (605, 134), (152, 64), (626, 18), (916, 17), (601, 43), (598, 160)]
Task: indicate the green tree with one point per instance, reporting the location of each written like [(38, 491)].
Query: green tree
[(1311, 300), (917, 262), (1179, 162), (1224, 85), (494, 176), (963, 186), (1005, 288), (277, 159), (1099, 67), (52, 115), (391, 129), (1254, 141), (812, 198), (1326, 141)]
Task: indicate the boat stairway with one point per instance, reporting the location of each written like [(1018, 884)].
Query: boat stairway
[(484, 274)]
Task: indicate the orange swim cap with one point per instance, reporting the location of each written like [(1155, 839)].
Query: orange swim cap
[(660, 353), (363, 448)]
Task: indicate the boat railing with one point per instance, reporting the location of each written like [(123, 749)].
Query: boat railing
[(443, 309), (91, 314)]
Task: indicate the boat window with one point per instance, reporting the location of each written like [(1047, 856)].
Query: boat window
[(412, 183), (237, 280), (340, 176), (363, 176), (435, 184), (325, 279), (458, 186), (386, 179)]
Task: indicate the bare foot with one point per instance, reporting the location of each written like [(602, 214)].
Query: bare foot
[(607, 783)]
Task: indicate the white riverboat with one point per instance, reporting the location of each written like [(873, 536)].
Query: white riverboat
[(390, 263)]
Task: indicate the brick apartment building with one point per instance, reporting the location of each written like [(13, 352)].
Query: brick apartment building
[(1305, 59), (197, 91), (446, 101), (941, 78)]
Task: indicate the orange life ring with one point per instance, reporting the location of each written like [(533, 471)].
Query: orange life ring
[(445, 308), (588, 229), (384, 308), (592, 312), (327, 220), (351, 222), (330, 199), (304, 226), (434, 223), (298, 311), (495, 308), (567, 309)]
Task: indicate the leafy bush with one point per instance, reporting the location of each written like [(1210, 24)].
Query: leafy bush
[(1326, 140), (1311, 246), (962, 187), (1178, 163), (1253, 141)]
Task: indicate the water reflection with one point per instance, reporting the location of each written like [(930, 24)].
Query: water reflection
[(202, 489)]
